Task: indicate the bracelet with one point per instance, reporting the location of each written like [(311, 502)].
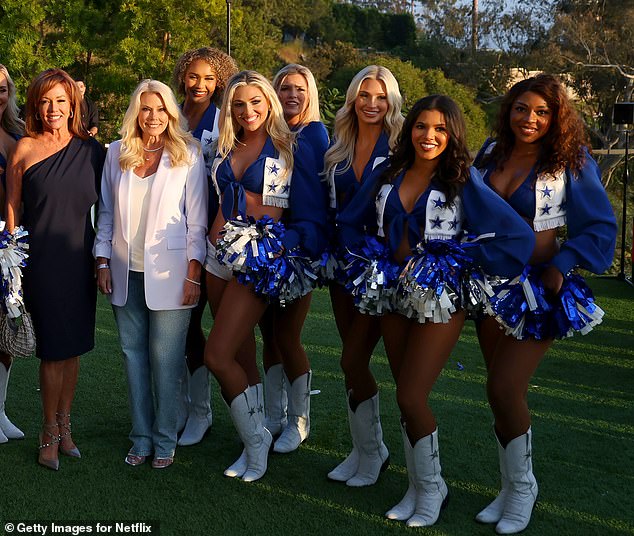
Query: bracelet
[(192, 281), (103, 267)]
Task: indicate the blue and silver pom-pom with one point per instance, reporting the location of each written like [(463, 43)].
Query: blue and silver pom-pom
[(576, 311), (329, 267), (436, 282), (13, 255), (526, 309), (254, 251), (371, 276)]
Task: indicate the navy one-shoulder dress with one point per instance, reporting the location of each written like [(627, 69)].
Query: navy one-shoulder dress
[(59, 285)]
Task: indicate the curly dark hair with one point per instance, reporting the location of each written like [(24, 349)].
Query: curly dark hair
[(453, 165), (562, 145), (223, 65)]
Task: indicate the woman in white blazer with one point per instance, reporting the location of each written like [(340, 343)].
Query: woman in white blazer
[(149, 251)]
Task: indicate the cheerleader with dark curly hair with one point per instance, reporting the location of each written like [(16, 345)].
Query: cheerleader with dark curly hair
[(441, 227), (540, 164), (200, 77)]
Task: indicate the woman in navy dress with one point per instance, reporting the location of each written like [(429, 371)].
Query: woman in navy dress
[(540, 164), (11, 130), (366, 128), (55, 172), (286, 365), (200, 76), (429, 202)]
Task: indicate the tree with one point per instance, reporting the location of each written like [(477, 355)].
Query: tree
[(590, 41)]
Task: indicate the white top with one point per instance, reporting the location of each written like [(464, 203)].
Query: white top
[(139, 202)]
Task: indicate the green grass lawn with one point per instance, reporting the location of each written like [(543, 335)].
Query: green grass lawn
[(582, 399)]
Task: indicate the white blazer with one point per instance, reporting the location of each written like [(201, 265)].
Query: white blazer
[(175, 231)]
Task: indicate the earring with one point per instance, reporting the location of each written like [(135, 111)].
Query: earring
[(71, 114), (37, 116)]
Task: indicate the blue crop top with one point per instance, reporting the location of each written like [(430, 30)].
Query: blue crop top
[(344, 186), (300, 193), (252, 180), (587, 214), (523, 198), (306, 218), (506, 240)]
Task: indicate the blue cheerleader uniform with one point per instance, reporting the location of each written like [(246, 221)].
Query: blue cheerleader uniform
[(275, 257), (342, 189), (207, 133), (550, 201), (452, 245)]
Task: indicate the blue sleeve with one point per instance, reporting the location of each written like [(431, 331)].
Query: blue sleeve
[(358, 218), (591, 223), (509, 249), (306, 218)]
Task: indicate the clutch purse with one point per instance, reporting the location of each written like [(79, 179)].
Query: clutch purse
[(17, 337)]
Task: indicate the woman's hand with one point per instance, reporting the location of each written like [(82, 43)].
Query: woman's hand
[(552, 279), (191, 286), (104, 277)]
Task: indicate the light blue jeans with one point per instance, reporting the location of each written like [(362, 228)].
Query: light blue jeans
[(153, 344)]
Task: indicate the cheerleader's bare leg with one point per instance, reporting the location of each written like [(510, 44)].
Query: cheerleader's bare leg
[(511, 364), (237, 314), (275, 389), (287, 326), (425, 353), (360, 335), (246, 355)]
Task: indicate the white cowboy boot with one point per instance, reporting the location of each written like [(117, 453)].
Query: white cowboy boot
[(348, 467), (298, 426), (7, 429), (373, 454), (247, 413), (431, 491), (522, 486), (239, 467), (493, 512), (406, 507), (199, 417), (275, 399)]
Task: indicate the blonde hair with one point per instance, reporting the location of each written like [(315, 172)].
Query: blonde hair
[(223, 65), (10, 122), (281, 136), (311, 113), (43, 83), (176, 138), (347, 123)]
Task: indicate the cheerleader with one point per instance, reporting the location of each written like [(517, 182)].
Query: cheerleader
[(429, 201), (286, 364), (200, 77), (539, 163), (252, 257), (11, 129), (366, 128)]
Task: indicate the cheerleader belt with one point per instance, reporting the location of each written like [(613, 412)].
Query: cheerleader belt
[(371, 276), (439, 279), (526, 309), (254, 252)]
